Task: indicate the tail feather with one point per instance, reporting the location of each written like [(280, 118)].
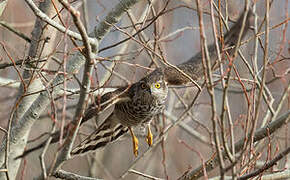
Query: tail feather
[(108, 132)]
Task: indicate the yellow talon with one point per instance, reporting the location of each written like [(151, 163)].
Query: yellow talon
[(135, 143), (135, 146), (149, 137)]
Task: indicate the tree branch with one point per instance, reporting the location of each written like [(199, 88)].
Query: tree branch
[(20, 131), (260, 134)]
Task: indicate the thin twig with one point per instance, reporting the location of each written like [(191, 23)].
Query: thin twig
[(143, 175), (62, 29), (207, 66), (260, 134), (71, 176), (267, 165), (15, 31), (181, 117), (86, 83)]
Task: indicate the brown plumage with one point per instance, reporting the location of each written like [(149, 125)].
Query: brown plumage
[(144, 100), (140, 102)]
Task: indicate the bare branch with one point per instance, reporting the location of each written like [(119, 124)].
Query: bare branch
[(21, 130), (71, 176), (259, 135), (59, 27)]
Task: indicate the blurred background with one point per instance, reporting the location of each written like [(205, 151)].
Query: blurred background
[(175, 36)]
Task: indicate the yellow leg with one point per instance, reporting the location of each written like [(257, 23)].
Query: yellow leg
[(149, 137), (135, 142)]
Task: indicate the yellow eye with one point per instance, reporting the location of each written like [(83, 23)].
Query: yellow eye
[(157, 85), (143, 85)]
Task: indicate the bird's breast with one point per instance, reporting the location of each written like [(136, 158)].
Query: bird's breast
[(138, 110)]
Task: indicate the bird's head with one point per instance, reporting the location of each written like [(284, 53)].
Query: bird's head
[(153, 85)]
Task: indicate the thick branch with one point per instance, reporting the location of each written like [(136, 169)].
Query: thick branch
[(30, 83), (85, 88), (54, 24), (20, 131)]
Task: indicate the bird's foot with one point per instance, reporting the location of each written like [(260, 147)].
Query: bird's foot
[(135, 142), (135, 145), (149, 137)]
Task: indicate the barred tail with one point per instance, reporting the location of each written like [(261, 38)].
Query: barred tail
[(106, 133)]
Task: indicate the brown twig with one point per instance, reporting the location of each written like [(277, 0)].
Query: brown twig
[(65, 152), (156, 142), (267, 165), (260, 134), (207, 66), (71, 176)]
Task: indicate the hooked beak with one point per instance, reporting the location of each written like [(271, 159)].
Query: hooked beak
[(150, 90)]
